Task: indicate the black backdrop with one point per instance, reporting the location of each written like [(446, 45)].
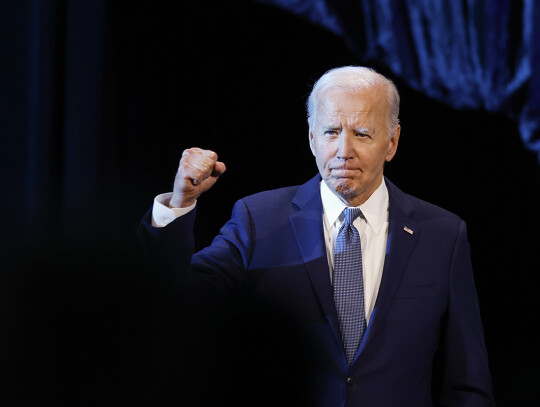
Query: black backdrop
[(82, 322)]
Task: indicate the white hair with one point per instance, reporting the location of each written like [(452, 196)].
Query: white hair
[(354, 78)]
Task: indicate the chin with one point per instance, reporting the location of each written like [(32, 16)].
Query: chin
[(345, 189)]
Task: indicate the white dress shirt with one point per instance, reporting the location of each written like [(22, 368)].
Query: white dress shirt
[(162, 215), (372, 227)]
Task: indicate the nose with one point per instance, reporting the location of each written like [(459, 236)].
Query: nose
[(345, 146)]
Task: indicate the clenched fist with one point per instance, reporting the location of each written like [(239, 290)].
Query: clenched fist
[(197, 172)]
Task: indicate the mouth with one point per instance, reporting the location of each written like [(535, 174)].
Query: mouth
[(343, 172)]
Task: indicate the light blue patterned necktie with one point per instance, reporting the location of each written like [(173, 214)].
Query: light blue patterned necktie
[(349, 285)]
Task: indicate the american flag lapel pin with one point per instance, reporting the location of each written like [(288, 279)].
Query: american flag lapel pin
[(408, 230)]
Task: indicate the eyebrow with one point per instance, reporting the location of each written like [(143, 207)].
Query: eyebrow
[(362, 130), (359, 130), (337, 127)]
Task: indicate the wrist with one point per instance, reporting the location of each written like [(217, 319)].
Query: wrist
[(180, 202)]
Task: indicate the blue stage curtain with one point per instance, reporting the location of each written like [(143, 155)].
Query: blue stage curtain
[(51, 114), (469, 54)]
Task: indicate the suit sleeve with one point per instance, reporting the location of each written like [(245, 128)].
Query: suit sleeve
[(466, 376), (218, 268)]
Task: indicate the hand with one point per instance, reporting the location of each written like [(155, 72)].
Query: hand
[(197, 172)]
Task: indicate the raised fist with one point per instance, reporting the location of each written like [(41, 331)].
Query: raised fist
[(197, 172)]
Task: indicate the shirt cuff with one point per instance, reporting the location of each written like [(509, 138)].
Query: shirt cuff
[(162, 215)]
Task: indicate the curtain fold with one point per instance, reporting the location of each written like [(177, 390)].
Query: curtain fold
[(50, 115), (469, 54)]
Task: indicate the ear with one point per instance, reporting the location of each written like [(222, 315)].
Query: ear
[(311, 142), (393, 143)]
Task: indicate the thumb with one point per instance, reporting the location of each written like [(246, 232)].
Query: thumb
[(219, 169), (206, 184)]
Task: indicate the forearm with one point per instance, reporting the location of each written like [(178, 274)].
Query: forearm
[(168, 249)]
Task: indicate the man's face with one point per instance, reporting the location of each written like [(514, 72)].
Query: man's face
[(350, 142)]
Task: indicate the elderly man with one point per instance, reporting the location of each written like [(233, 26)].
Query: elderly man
[(380, 281)]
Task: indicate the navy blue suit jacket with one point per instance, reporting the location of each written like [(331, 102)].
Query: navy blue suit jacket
[(426, 321)]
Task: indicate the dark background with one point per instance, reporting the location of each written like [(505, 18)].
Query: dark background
[(82, 320)]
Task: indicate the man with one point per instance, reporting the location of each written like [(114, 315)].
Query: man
[(384, 292)]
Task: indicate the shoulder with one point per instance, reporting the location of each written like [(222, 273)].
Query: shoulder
[(272, 196), (265, 210), (268, 205), (428, 210), (419, 210), (286, 197)]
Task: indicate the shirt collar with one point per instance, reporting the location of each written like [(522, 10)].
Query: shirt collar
[(375, 209)]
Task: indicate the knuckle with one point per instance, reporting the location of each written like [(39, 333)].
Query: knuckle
[(185, 169), (191, 151)]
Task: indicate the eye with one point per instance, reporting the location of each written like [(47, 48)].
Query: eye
[(362, 135), (330, 133)]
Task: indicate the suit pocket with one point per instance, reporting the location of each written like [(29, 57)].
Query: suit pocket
[(418, 291)]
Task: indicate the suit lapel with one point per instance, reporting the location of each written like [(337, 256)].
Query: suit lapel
[(306, 223), (399, 247), (307, 226)]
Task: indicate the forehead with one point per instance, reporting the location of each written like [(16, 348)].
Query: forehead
[(367, 104)]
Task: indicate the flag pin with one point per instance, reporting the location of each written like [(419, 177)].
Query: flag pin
[(409, 231)]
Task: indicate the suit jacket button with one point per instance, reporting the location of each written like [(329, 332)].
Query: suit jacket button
[(349, 381)]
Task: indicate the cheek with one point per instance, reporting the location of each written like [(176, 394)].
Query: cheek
[(320, 153), (312, 147), (324, 160), (374, 158), (320, 162)]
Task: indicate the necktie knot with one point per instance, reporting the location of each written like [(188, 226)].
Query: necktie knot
[(351, 214)]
